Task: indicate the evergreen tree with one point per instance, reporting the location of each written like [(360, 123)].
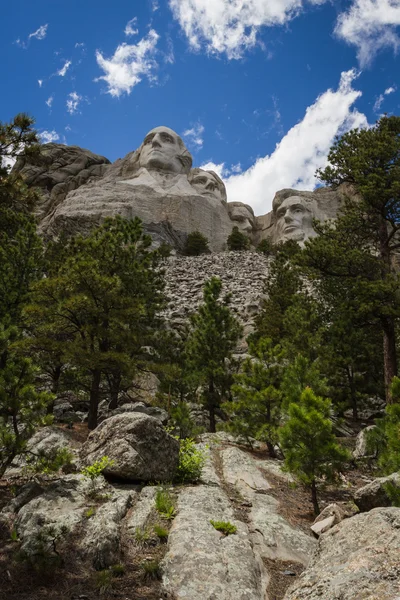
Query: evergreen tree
[(385, 437), (215, 333), (237, 240), (362, 247), (255, 410), (310, 447), (100, 310), (196, 244)]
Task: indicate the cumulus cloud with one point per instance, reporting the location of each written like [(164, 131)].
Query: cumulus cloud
[(73, 101), (370, 25), (49, 101), (301, 151), (129, 64), (48, 136), (40, 82), (62, 72), (39, 34), (231, 27), (130, 28), (194, 136)]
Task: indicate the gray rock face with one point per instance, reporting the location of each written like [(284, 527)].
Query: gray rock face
[(202, 563), (360, 451), (293, 212), (140, 407), (139, 446), (357, 559), (156, 184), (374, 494), (57, 170)]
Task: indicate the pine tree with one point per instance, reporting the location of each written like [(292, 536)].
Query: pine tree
[(362, 247), (310, 447), (255, 410), (237, 240), (101, 309), (215, 333), (196, 244)]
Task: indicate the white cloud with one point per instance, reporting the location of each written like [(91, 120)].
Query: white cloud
[(46, 137), (194, 136), (79, 45), (49, 101), (129, 28), (381, 97), (370, 25), (73, 101), (301, 151), (231, 26), (39, 34), (40, 82), (155, 6), (62, 72), (129, 64)]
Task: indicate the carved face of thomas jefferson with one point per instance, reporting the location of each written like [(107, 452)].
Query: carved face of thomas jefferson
[(294, 219), (164, 150), (242, 215), (207, 183)]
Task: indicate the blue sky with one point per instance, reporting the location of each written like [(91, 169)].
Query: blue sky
[(258, 89)]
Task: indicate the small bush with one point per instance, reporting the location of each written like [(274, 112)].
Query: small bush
[(117, 570), (266, 247), (90, 512), (151, 569), (165, 504), (104, 581), (60, 458), (237, 240), (224, 526), (161, 532), (164, 250), (191, 462), (142, 535), (196, 244), (95, 470)]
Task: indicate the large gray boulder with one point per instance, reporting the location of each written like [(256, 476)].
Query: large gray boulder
[(138, 445), (358, 559), (374, 494)]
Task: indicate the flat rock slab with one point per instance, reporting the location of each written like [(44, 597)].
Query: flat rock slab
[(203, 564), (241, 470), (142, 510), (358, 559)]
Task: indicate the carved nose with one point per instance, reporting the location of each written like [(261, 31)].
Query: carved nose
[(288, 217), (210, 186), (155, 141)]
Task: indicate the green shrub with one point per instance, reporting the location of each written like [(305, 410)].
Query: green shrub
[(95, 470), (384, 439), (151, 569), (161, 532), (164, 250), (191, 462), (237, 240), (117, 570), (196, 244), (104, 581), (60, 458), (90, 512), (165, 504), (224, 527), (266, 247), (142, 535)]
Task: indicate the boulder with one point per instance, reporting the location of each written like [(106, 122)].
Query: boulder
[(374, 494), (357, 559), (360, 451), (140, 407), (138, 445)]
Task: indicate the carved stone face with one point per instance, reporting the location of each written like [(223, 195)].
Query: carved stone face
[(163, 149), (294, 220), (242, 215), (206, 184)]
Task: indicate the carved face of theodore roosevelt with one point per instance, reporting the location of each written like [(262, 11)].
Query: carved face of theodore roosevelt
[(208, 183), (163, 149)]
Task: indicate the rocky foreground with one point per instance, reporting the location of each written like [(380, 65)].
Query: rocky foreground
[(97, 538)]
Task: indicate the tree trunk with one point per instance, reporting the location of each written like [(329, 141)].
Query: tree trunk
[(353, 393), (271, 450), (314, 498), (55, 382), (212, 419), (389, 354), (94, 399), (115, 383), (211, 406)]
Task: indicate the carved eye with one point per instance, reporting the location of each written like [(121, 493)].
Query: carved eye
[(200, 180), (167, 138)]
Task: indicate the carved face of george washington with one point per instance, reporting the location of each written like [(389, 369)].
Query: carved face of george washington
[(164, 150)]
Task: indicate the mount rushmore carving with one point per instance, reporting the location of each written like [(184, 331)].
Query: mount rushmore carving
[(157, 183)]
